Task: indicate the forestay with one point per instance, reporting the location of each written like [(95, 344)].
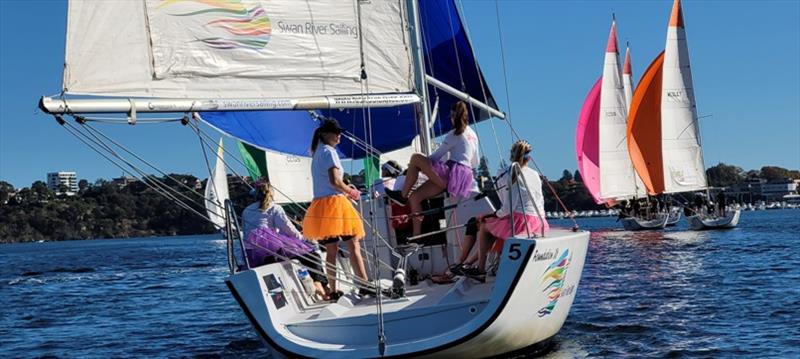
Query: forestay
[(261, 49)]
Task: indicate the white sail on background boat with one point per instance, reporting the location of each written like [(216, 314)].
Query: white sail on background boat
[(193, 56), (618, 179), (216, 191), (684, 170)]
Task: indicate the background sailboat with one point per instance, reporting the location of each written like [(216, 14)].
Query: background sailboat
[(663, 130), (216, 191), (600, 141)]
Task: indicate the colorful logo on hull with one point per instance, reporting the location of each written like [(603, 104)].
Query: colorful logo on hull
[(554, 276), (237, 25)]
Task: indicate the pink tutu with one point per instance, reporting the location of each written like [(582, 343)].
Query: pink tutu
[(266, 242), (500, 227), (458, 177)]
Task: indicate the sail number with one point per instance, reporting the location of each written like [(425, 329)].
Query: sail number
[(513, 252)]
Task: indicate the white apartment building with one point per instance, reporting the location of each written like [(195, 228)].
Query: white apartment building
[(69, 179)]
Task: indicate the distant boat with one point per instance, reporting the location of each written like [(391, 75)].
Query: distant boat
[(216, 191), (663, 130), (674, 217), (603, 159), (730, 220), (637, 224)]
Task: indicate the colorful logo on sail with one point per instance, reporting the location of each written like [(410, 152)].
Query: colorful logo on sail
[(235, 25), (554, 276)]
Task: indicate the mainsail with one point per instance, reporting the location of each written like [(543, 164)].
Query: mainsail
[(663, 131), (680, 132), (617, 176), (448, 58), (216, 192), (235, 49)]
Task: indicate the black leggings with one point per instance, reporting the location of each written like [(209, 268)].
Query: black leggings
[(334, 240)]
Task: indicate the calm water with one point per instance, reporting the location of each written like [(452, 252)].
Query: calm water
[(675, 293)]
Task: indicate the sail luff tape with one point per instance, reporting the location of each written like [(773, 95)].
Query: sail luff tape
[(132, 112)]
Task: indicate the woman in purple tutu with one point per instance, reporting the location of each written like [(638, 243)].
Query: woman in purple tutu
[(271, 237), (454, 175)]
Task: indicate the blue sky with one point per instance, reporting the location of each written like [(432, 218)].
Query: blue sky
[(745, 57)]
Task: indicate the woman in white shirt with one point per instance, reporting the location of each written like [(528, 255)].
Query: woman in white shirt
[(331, 216), (454, 175), (270, 236), (528, 202)]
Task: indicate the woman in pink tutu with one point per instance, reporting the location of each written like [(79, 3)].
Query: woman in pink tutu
[(454, 175), (528, 208)]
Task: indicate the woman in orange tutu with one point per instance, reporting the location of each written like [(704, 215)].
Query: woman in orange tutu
[(331, 217)]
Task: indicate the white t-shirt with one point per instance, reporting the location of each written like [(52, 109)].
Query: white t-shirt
[(324, 158), (462, 148), (274, 218), (531, 197)]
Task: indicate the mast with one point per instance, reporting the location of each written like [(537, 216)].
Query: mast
[(423, 111)]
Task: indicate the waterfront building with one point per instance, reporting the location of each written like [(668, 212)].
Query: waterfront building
[(69, 179)]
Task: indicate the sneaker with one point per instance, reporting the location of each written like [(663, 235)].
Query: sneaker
[(456, 269), (396, 196), (475, 273)]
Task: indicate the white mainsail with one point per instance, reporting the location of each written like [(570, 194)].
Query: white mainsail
[(260, 49), (216, 192), (617, 177), (680, 133)]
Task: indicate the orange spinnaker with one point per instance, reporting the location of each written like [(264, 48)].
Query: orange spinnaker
[(644, 128)]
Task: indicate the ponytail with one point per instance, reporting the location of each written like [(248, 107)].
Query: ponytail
[(460, 117), (315, 140)]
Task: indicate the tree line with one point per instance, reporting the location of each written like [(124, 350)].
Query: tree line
[(106, 209)]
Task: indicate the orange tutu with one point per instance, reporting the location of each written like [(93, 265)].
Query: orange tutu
[(332, 216)]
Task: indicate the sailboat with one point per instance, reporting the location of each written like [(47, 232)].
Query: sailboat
[(602, 151), (216, 192), (663, 130), (263, 75)]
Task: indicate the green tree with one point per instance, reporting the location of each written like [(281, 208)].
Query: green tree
[(83, 185), (5, 191), (723, 175), (774, 173), (40, 191)]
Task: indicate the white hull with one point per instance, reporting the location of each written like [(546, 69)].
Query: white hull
[(674, 218), (638, 224), (465, 319), (730, 220)]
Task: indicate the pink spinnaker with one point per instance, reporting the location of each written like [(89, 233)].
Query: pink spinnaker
[(587, 145)]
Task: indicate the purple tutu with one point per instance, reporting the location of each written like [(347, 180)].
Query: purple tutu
[(265, 242), (458, 177)]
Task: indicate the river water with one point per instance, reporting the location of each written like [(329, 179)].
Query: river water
[(673, 293)]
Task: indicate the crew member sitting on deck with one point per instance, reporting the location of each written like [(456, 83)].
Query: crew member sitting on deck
[(331, 216), (270, 237), (455, 175), (528, 208)]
